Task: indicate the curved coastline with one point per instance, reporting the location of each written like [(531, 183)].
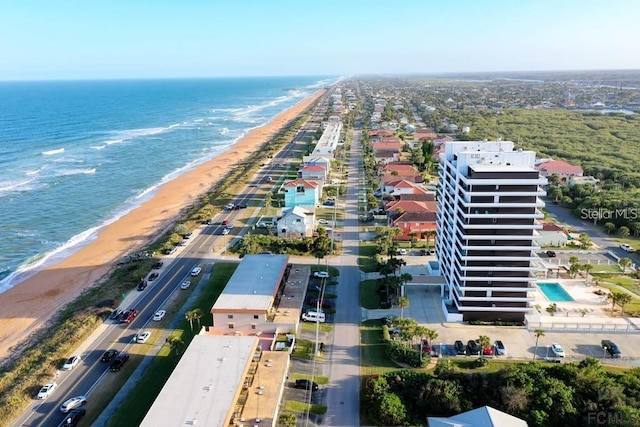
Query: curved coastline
[(30, 303)]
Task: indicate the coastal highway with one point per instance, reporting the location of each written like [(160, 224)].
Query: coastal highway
[(86, 377)]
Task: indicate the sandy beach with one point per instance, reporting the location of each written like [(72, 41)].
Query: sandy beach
[(30, 304)]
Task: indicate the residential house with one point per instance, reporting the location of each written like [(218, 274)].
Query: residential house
[(425, 134), (402, 186), (324, 161), (295, 223), (301, 192), (313, 172), (391, 172), (412, 217), (384, 156), (551, 235), (442, 139), (560, 168)]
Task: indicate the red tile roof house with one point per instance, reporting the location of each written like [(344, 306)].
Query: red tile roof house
[(561, 168), (387, 146), (390, 140), (424, 134), (402, 186), (412, 217), (421, 197), (384, 156), (376, 134)]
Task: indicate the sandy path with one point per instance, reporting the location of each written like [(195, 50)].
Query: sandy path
[(29, 305)]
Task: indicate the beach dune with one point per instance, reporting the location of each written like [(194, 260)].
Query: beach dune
[(30, 304)]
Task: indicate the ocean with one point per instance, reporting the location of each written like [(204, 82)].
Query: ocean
[(77, 155)]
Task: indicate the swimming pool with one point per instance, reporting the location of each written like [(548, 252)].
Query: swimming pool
[(554, 292)]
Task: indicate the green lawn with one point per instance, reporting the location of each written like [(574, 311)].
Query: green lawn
[(304, 349), (367, 260), (136, 405), (373, 358), (632, 285), (301, 407), (611, 268), (308, 326), (369, 297), (320, 379)]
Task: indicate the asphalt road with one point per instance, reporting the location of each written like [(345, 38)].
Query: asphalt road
[(343, 393), (85, 377)]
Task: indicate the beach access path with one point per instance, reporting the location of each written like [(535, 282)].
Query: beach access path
[(29, 305)]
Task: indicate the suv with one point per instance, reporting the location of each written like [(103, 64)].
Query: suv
[(551, 254), (473, 347), (460, 347), (109, 355), (158, 265), (119, 362), (307, 385), (611, 348)]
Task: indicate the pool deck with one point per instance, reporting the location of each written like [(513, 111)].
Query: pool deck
[(583, 298)]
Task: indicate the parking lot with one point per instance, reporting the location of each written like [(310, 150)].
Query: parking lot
[(595, 258)]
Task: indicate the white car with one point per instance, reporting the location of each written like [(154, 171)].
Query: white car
[(73, 403), (321, 274), (46, 390), (627, 248), (225, 231), (557, 350), (159, 315), (71, 363), (196, 270), (229, 206), (323, 221), (183, 242), (402, 251), (185, 284), (142, 337)]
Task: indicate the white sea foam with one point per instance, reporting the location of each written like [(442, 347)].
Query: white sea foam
[(198, 120), (53, 152), (69, 172), (99, 147), (114, 141), (35, 172), (15, 186)]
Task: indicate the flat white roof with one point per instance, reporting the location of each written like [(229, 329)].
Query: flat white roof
[(254, 283), (501, 168), (203, 387)]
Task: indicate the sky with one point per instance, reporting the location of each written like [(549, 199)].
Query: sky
[(92, 39)]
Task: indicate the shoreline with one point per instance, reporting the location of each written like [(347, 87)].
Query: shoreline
[(29, 304)]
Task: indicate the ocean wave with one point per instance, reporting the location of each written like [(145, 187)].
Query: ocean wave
[(70, 172), (34, 172), (16, 186), (53, 152), (99, 147), (114, 141)]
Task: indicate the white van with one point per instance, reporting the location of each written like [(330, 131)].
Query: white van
[(313, 316)]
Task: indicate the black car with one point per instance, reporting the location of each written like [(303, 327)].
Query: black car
[(153, 276), (73, 418), (158, 265), (142, 285), (611, 348), (119, 362), (307, 385), (473, 347), (551, 254), (109, 355), (460, 347), (115, 314)]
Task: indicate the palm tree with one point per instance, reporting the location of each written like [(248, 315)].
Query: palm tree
[(197, 314), (175, 343), (623, 299), (614, 297), (574, 260), (405, 278), (485, 342), (587, 268), (421, 332), (431, 335), (624, 231), (190, 316), (402, 303), (574, 269), (624, 263), (538, 333)]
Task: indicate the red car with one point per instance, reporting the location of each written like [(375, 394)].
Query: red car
[(128, 316), (426, 348), (225, 222), (487, 351)]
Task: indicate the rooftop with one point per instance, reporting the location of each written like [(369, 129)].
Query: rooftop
[(254, 283), (205, 384)]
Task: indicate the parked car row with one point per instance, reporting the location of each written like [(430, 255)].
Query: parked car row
[(474, 348)]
